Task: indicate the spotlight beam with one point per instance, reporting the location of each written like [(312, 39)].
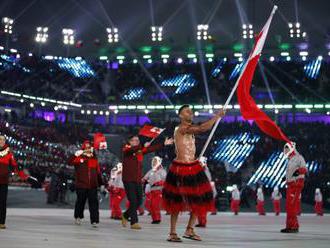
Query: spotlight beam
[(153, 80), (304, 86), (152, 13), (265, 79), (214, 11), (281, 84), (200, 55), (170, 18), (88, 13), (24, 10)]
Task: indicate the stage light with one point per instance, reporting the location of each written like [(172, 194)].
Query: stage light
[(116, 111), (303, 58), (8, 25), (135, 61), (195, 60), (107, 113), (103, 58), (288, 58), (156, 33), (165, 61), (146, 111), (240, 59), (303, 53), (179, 60), (68, 36), (42, 35), (113, 36), (149, 61), (295, 30), (271, 58), (202, 32), (82, 111), (285, 54), (247, 31)]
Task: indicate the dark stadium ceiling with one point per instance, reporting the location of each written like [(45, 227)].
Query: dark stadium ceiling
[(179, 19)]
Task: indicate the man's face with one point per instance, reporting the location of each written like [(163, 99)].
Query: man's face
[(186, 115), (2, 141), (134, 141), (87, 146)]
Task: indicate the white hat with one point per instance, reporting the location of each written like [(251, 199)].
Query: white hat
[(156, 161), (234, 187), (317, 191), (291, 146), (260, 190)]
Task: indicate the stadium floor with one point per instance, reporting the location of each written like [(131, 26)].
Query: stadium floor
[(54, 228)]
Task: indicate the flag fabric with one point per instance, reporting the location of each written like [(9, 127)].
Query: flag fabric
[(100, 143), (248, 107), (151, 131)]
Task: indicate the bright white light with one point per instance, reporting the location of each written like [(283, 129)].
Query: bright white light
[(135, 61), (68, 36), (194, 60), (31, 105), (196, 113), (116, 111), (202, 31), (179, 60), (42, 35), (146, 111), (272, 58), (8, 25), (149, 61), (165, 61), (320, 57), (303, 58), (113, 36), (276, 111), (156, 33), (288, 58), (247, 31)]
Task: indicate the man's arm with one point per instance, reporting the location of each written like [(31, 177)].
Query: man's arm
[(129, 150), (197, 129)]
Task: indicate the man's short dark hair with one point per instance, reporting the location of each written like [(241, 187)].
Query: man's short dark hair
[(131, 136), (183, 107)]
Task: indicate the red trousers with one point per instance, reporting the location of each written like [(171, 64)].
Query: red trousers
[(293, 192), (277, 206), (202, 219), (318, 208), (155, 204), (234, 205), (147, 202), (116, 197), (261, 207)]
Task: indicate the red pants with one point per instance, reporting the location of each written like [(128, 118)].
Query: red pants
[(155, 204), (214, 210), (116, 198), (292, 203), (147, 202), (234, 205), (318, 208), (277, 206), (202, 219), (261, 208)]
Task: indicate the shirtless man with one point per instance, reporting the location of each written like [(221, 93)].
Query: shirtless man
[(187, 187)]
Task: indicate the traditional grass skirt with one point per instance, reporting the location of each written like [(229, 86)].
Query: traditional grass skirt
[(187, 188)]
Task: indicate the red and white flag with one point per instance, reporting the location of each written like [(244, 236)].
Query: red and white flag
[(151, 131), (248, 107)]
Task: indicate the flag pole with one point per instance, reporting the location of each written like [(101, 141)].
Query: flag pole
[(228, 99)]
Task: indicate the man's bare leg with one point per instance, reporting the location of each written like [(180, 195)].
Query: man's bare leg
[(174, 220), (189, 233)]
